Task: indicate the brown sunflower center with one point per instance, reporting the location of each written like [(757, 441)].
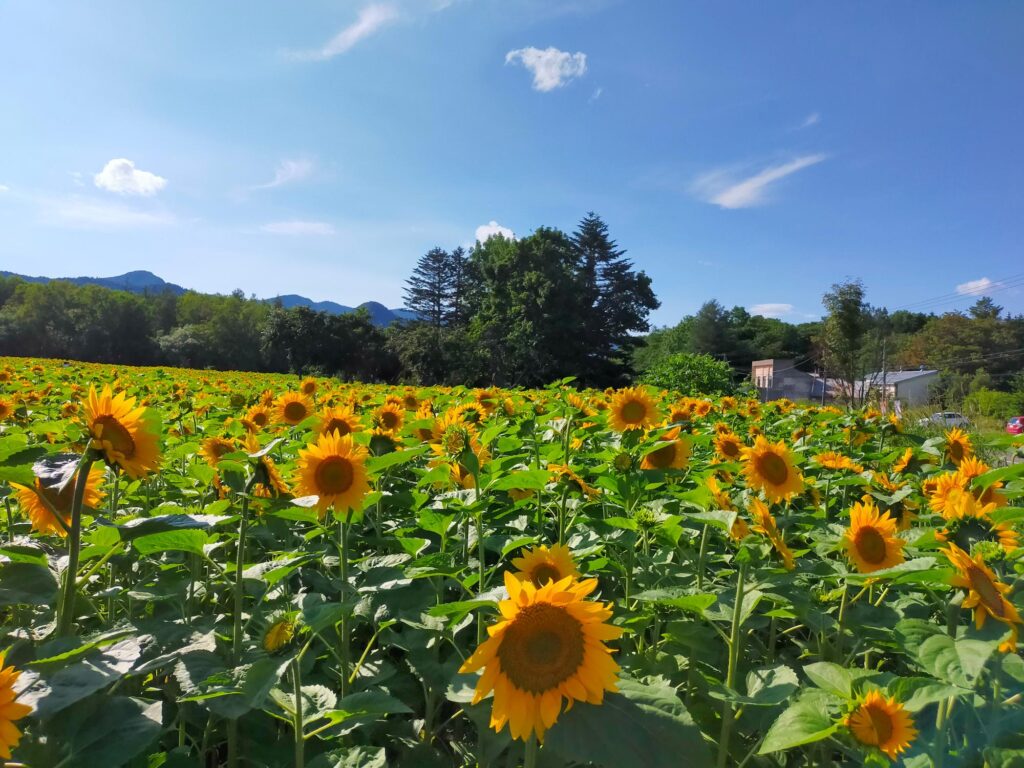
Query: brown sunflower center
[(389, 419), (871, 545), (542, 648), (334, 476), (881, 724), (663, 457), (956, 451), (259, 419), (543, 573), (729, 448), (987, 592), (772, 468), (294, 412), (114, 432), (633, 412), (337, 425)]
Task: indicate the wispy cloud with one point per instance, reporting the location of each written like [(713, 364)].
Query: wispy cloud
[(595, 95), (122, 177), (4, 188), (85, 213), (551, 67), (722, 188), (486, 231), (288, 171), (976, 287), (812, 119), (371, 19), (298, 228), (771, 310)]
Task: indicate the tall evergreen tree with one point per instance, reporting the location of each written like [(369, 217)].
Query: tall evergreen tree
[(616, 302), (427, 289)]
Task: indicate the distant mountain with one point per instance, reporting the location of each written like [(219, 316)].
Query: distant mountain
[(139, 281), (142, 281)]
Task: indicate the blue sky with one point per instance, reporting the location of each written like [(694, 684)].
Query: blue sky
[(749, 152)]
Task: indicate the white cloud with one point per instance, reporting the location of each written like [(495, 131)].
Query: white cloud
[(551, 67), (4, 188), (596, 95), (976, 287), (371, 18), (721, 188), (121, 176), (771, 310), (486, 231), (288, 171), (298, 228), (83, 213), (812, 119)]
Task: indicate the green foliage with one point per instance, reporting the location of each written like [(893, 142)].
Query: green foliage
[(690, 374), (990, 402)]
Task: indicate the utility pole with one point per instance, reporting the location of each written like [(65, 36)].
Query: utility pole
[(885, 388)]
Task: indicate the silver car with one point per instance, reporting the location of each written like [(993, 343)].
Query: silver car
[(945, 419)]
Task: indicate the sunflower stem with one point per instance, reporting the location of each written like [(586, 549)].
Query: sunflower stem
[(343, 560), (701, 556), (480, 573), (10, 519), (300, 741), (530, 753), (561, 514), (236, 623), (734, 657), (67, 598)]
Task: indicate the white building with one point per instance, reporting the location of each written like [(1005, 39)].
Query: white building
[(908, 388)]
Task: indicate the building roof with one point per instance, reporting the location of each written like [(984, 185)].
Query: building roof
[(897, 377)]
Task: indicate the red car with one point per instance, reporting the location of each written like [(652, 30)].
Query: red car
[(1015, 425)]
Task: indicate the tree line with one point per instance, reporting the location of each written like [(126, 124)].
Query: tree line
[(523, 312)]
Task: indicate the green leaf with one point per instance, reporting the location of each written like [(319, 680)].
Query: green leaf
[(379, 463), (189, 540), (115, 730), (372, 705), (27, 584), (354, 757), (916, 693), (526, 480), (643, 725), (806, 721), (958, 662), (144, 526), (673, 597), (831, 677)]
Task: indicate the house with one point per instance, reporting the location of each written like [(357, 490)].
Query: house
[(779, 378), (900, 388)]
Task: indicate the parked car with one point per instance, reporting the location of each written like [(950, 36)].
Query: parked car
[(1015, 426), (945, 419)]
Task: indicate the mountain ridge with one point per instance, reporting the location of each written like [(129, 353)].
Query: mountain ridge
[(145, 282)]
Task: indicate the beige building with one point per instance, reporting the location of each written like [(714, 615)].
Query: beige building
[(779, 378)]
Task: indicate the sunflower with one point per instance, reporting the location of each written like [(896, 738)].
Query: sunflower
[(941, 487), (333, 469), (882, 722), (6, 409), (985, 593), (122, 432), (258, 416), (871, 540), (834, 460), (389, 417), (42, 505), (769, 467), (632, 408), (340, 419), (10, 710), (972, 468), (215, 448), (548, 648), (674, 455), (765, 524), (271, 483), (969, 521), (722, 500), (308, 386), (565, 473), (279, 633), (541, 565), (958, 445), (293, 407), (908, 462), (904, 509), (729, 446)]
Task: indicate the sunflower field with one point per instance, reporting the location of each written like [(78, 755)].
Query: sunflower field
[(225, 569)]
